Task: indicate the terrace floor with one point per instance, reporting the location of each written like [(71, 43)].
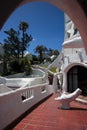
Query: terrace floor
[(49, 116)]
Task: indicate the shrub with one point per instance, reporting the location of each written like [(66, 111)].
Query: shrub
[(20, 65), (15, 66)]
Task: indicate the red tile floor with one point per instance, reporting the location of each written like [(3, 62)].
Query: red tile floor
[(48, 116)]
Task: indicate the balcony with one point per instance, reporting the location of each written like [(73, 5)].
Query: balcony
[(48, 116), (73, 42), (34, 108)]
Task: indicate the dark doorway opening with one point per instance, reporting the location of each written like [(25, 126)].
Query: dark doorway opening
[(77, 78)]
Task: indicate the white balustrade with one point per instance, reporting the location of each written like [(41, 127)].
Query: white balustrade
[(13, 104)]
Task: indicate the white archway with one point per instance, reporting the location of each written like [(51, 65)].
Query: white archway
[(65, 73), (72, 8)]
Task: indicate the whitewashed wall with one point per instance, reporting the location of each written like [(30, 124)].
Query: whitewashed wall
[(12, 106)]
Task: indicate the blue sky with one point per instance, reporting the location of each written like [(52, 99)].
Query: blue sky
[(46, 24)]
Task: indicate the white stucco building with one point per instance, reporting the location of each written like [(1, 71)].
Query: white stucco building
[(74, 59)]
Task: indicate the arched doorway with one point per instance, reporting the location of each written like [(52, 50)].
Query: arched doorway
[(77, 78)]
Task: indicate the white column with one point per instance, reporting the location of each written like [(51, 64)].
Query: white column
[(64, 86), (55, 85)]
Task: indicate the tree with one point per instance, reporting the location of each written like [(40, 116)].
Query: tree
[(15, 44), (12, 43), (40, 49), (56, 52), (23, 26), (53, 52), (50, 52)]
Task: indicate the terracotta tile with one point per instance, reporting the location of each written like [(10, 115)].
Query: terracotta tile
[(20, 125), (29, 127), (39, 128), (48, 116), (49, 128), (18, 128)]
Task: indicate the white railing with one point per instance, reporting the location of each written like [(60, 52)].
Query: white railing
[(16, 83), (14, 104), (57, 62)]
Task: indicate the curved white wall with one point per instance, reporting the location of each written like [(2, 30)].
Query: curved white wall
[(12, 106)]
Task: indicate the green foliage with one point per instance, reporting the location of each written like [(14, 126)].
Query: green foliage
[(17, 41), (27, 66), (23, 26), (22, 65), (53, 52), (40, 49), (25, 38), (45, 54), (35, 60), (28, 69), (43, 65), (53, 69), (56, 52), (14, 46), (15, 66), (12, 43)]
